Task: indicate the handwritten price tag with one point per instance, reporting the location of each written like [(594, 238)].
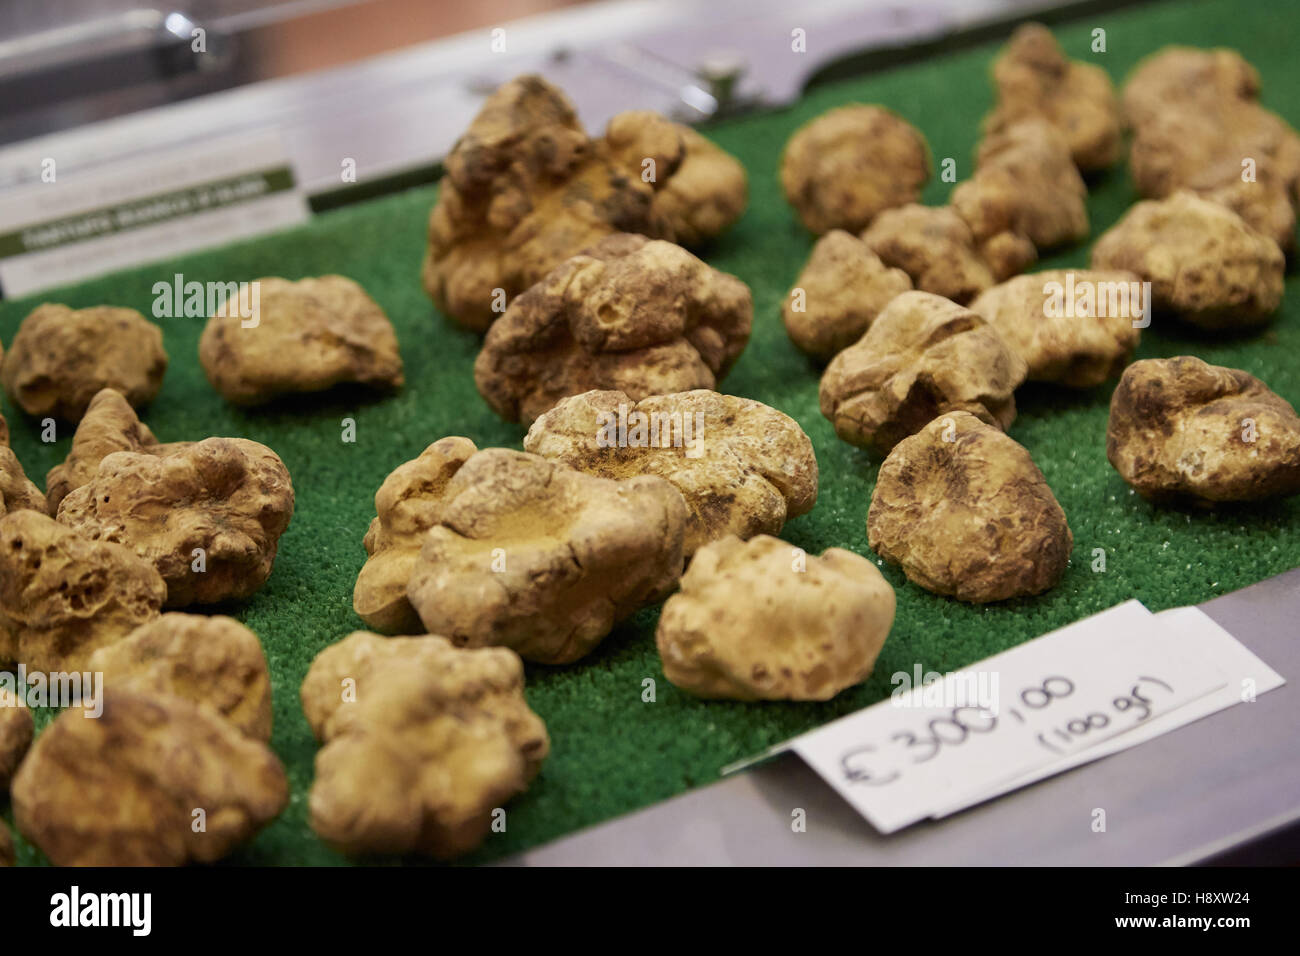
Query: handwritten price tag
[(1245, 677), (905, 758)]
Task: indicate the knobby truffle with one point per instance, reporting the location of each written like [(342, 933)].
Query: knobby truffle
[(966, 512), (705, 195), (762, 620), (207, 515), (110, 424), (63, 596), (742, 467), (1236, 154), (1034, 78), (409, 502), (1204, 262), (1185, 432), (16, 731), (214, 662), (923, 356), (1026, 196), (1197, 125), (423, 742), (935, 246), (1072, 327), (16, 491), (1183, 76), (543, 559), (640, 316), (526, 188)]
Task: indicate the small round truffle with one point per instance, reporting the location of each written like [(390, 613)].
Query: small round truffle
[(967, 513), (762, 620), (1204, 263), (922, 356), (61, 357), (839, 293), (304, 336), (154, 759), (1185, 432), (848, 165)]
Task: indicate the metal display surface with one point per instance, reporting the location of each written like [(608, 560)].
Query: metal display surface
[(404, 110)]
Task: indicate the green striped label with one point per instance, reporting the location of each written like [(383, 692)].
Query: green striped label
[(146, 211)]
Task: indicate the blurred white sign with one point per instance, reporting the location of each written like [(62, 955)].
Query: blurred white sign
[(139, 209)]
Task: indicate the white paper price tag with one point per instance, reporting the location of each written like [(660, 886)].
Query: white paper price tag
[(1244, 675), (903, 759)]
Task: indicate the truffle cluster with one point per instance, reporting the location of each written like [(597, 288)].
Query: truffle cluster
[(639, 482), (139, 526)]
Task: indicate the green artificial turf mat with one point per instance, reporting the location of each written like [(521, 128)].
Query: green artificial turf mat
[(612, 752)]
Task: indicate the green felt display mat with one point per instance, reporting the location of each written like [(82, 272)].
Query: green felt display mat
[(613, 752)]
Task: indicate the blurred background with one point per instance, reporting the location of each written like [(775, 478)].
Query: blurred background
[(327, 102), (68, 62)]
